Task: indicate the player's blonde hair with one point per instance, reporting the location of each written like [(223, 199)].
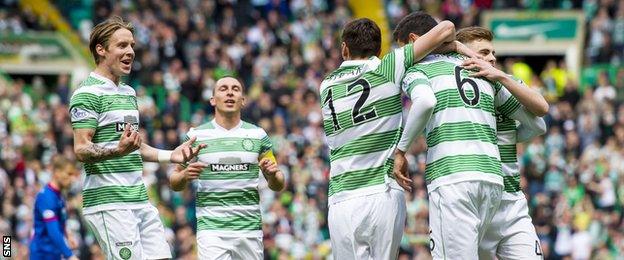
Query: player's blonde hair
[(474, 33), (102, 33)]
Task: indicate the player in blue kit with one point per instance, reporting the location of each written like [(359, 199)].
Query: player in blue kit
[(48, 242)]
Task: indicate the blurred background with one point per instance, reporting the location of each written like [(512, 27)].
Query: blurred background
[(572, 51)]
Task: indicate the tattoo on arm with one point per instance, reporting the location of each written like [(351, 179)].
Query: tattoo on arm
[(95, 153)]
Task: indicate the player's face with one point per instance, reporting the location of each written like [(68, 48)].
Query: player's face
[(228, 96), (67, 176), (119, 55), (485, 49)]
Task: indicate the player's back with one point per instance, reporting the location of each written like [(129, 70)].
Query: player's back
[(461, 134), (361, 106)]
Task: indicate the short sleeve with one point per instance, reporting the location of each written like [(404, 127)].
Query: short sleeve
[(83, 110), (506, 104), (265, 144), (413, 80), (394, 64)]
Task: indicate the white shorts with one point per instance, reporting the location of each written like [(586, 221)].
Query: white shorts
[(368, 227), (228, 248), (459, 215), (511, 234), (130, 234)]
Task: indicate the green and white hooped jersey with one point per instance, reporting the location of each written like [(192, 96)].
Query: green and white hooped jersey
[(461, 134), (104, 106), (362, 113), (228, 202), (506, 129)]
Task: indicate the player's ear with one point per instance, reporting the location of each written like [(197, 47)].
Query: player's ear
[(213, 102), (345, 51), (99, 49), (244, 101), (412, 37)]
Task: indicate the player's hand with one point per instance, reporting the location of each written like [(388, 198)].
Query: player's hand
[(268, 167), (483, 69), (193, 171), (186, 152), (400, 170), (130, 141), (463, 49)]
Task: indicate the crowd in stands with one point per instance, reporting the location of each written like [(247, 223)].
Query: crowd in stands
[(573, 176)]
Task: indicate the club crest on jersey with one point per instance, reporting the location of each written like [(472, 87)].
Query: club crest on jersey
[(229, 167), (248, 145), (125, 253)]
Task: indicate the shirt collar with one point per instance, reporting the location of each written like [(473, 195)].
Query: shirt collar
[(372, 62), (57, 191), (100, 77), (217, 126)]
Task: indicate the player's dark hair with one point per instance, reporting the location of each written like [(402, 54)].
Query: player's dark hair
[(417, 23), (362, 37)]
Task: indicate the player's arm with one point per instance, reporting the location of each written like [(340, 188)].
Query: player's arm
[(417, 86), (52, 226), (532, 100), (509, 106), (442, 33), (181, 154), (181, 176), (272, 173), (88, 152)]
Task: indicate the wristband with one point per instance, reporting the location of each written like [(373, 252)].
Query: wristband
[(164, 156)]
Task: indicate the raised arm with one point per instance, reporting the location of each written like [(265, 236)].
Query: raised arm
[(88, 152), (442, 33), (532, 100), (182, 154), (530, 125)]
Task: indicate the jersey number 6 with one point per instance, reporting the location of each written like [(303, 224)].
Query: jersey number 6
[(460, 87)]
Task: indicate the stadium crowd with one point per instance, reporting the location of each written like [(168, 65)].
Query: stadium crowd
[(573, 175)]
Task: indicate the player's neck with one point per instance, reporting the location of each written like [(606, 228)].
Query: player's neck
[(227, 121), (104, 72)]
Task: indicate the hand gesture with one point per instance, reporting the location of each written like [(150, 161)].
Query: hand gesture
[(186, 152), (130, 141), (268, 167), (400, 171), (193, 171), (483, 69)]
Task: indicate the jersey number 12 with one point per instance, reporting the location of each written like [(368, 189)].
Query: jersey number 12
[(356, 114)]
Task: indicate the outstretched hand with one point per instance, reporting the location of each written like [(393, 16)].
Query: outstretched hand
[(186, 152)]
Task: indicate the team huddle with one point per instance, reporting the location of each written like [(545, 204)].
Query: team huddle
[(472, 116)]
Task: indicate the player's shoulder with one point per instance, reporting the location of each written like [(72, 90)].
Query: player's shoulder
[(247, 126), (203, 127)]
